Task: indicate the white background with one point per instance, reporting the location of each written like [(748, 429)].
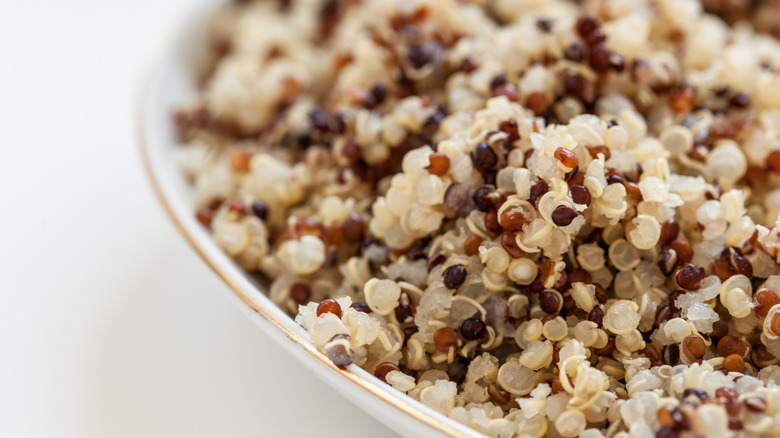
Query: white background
[(110, 326)]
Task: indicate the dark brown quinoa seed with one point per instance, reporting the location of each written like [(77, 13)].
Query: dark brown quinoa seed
[(601, 294), (408, 332), (695, 392), (667, 432), (651, 353), (482, 198), (616, 62), (404, 311), (550, 302), (607, 350), (740, 264), (456, 199), (595, 236), (739, 100), (379, 92), (498, 395), (573, 176), (237, 208), (671, 355), (513, 218), (436, 260), (563, 215), (596, 38), (669, 231), (509, 126), (492, 224), (361, 307), (599, 58), (507, 90), (473, 329), (509, 243), (728, 396), (484, 157), (633, 192), (337, 124), (329, 16), (556, 385), (664, 314), (755, 404), (319, 119), (498, 80), (722, 268), (457, 370), (578, 275), (596, 315), (575, 52), (300, 293), (690, 277), (683, 249), (585, 25), (761, 355), (773, 161), (353, 228), (338, 353), (383, 369), (734, 423), (544, 24), (614, 178), (580, 194), (419, 55), (204, 215), (537, 190), (260, 209), (673, 297), (351, 151), (454, 276)]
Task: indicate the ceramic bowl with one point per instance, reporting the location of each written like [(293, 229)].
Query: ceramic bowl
[(169, 83)]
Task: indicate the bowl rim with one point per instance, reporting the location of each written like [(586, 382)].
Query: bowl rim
[(400, 401)]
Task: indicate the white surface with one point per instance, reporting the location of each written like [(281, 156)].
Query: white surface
[(110, 326)]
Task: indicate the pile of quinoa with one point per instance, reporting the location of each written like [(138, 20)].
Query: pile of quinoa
[(537, 217)]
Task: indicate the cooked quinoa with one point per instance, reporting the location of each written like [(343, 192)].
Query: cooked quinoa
[(537, 217)]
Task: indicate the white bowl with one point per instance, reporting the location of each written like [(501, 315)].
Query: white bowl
[(169, 84)]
